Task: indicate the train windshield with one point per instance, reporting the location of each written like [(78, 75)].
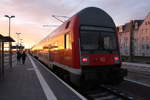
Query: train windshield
[(97, 41)]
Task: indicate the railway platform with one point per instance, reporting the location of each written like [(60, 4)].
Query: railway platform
[(32, 81), (136, 64)]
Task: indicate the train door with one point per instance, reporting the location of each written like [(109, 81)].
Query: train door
[(50, 59)]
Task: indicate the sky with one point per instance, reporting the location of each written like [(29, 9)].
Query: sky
[(32, 17)]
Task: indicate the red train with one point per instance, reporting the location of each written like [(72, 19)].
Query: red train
[(84, 49)]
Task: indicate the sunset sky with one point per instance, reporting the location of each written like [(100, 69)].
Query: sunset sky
[(31, 15)]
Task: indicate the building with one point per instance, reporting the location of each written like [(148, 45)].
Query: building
[(142, 38), (138, 31), (124, 34)]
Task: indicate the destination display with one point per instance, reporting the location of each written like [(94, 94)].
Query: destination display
[(96, 28)]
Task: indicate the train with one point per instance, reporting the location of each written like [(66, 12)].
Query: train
[(83, 49)]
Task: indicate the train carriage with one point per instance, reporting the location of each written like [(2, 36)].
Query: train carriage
[(85, 47)]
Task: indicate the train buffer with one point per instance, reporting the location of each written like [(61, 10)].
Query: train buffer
[(33, 81)]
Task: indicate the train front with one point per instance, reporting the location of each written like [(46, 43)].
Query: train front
[(99, 50)]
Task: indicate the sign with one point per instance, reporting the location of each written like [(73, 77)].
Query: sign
[(96, 28), (17, 47)]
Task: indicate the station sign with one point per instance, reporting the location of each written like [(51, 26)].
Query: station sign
[(17, 47)]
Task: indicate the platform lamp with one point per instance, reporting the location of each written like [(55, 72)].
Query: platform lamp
[(10, 52), (21, 41), (18, 38)]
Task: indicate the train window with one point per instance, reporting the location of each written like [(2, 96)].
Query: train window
[(67, 41), (109, 41), (97, 41), (88, 40)]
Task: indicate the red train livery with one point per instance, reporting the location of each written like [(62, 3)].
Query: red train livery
[(84, 49)]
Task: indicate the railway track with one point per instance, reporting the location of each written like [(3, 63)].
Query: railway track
[(114, 92), (106, 93), (100, 92)]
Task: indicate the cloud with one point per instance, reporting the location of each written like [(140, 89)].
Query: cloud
[(31, 15), (41, 10)]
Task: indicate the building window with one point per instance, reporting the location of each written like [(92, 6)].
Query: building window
[(136, 25), (121, 29), (143, 46), (141, 31), (147, 46), (142, 39), (146, 30)]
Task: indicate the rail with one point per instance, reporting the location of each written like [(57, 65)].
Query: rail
[(107, 93), (136, 64)]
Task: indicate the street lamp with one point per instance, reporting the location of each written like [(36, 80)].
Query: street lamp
[(21, 41), (10, 53), (9, 21), (18, 38), (21, 44)]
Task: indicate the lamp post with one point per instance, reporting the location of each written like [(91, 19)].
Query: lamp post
[(21, 44), (21, 41), (18, 38), (9, 21), (10, 53)]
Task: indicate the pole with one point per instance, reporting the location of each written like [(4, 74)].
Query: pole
[(131, 41), (10, 44), (18, 38), (10, 52), (0, 59), (9, 25), (20, 42)]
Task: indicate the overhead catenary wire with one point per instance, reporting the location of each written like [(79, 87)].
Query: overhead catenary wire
[(57, 16), (76, 6)]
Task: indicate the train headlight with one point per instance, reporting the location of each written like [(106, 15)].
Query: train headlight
[(116, 59)]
